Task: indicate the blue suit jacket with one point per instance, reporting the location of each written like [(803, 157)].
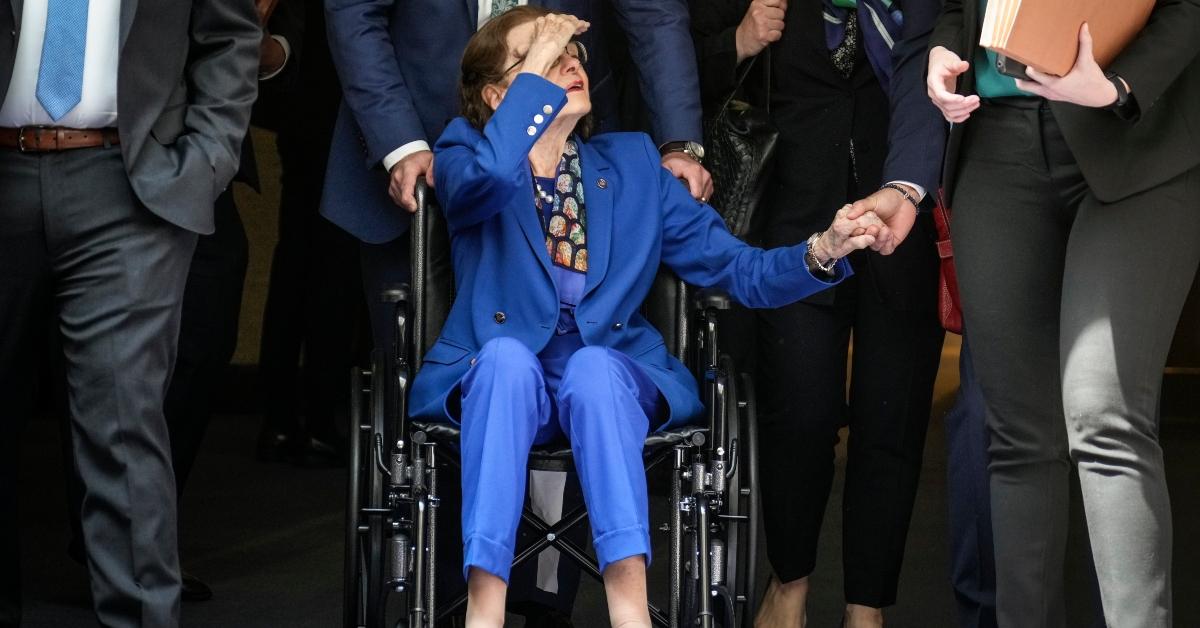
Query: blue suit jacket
[(638, 217), (398, 61)]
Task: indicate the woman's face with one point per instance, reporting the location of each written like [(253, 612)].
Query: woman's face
[(568, 73)]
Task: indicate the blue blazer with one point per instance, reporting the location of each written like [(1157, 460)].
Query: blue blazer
[(398, 61), (638, 217)]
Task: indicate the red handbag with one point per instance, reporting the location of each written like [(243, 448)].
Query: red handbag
[(949, 304)]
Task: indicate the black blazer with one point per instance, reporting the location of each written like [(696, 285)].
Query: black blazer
[(1118, 157), (818, 112)]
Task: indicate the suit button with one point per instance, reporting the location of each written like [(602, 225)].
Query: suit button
[(499, 317), (531, 131), (618, 326), (547, 109)]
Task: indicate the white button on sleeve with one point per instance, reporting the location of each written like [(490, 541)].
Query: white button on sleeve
[(531, 130), (547, 109), (539, 118)]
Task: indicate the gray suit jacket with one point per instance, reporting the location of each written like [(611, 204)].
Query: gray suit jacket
[(186, 81)]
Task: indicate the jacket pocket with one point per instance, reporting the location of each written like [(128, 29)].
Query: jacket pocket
[(444, 353)]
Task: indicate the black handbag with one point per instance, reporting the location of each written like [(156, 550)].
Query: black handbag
[(740, 144)]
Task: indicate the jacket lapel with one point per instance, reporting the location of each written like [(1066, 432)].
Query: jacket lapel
[(531, 223), (16, 9), (128, 10), (598, 198), (473, 13)]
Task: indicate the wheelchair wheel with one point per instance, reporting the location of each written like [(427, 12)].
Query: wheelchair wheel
[(365, 599), (742, 501), (740, 522)]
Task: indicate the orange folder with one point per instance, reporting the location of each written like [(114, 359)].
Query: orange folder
[(1044, 34)]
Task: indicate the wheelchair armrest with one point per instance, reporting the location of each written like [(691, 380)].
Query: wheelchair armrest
[(712, 299)]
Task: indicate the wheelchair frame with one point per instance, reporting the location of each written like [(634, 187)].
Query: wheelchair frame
[(393, 497)]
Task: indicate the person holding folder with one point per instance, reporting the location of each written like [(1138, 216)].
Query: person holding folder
[(1076, 233)]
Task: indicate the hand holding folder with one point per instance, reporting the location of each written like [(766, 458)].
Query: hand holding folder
[(1044, 34), (1084, 84)]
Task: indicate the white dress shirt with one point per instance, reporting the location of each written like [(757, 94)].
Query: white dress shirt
[(98, 106), (394, 157)]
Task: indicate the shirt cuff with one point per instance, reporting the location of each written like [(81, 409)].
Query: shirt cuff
[(920, 190), (287, 54), (395, 156)]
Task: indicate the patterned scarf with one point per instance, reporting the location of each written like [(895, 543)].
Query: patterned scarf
[(879, 22), (566, 231)]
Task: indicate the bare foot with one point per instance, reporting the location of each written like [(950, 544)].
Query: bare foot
[(858, 616), (783, 605)]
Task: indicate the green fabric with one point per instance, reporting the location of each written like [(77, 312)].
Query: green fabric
[(989, 82)]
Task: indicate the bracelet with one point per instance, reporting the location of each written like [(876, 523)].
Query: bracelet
[(909, 197), (815, 264)]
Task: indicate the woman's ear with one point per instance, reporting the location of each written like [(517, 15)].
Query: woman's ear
[(492, 95)]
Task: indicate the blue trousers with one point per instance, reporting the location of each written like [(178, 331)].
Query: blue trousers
[(599, 399), (972, 561)]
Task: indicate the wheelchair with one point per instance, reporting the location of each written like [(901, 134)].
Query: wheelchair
[(393, 492)]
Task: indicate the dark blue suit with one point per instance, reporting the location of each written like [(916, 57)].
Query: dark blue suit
[(399, 67), (482, 371)]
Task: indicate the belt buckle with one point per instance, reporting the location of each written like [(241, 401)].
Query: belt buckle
[(21, 138)]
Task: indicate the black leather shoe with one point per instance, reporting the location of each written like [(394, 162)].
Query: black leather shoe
[(273, 446), (194, 589)]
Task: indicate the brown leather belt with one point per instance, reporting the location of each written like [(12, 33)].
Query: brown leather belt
[(44, 139)]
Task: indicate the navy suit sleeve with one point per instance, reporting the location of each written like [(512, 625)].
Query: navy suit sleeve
[(698, 247), (363, 53), (917, 132), (477, 173), (660, 43)]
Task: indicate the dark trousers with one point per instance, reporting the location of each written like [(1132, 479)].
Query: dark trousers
[(208, 333), (1071, 304), (314, 301), (972, 560), (76, 244), (803, 350)]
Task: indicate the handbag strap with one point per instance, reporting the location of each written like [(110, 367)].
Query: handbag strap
[(766, 55)]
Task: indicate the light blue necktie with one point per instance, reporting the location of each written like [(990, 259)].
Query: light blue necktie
[(60, 79)]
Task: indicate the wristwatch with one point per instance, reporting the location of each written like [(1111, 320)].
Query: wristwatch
[(689, 148), (810, 258), (1122, 92)]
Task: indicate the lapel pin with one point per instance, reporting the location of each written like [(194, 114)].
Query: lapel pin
[(602, 183)]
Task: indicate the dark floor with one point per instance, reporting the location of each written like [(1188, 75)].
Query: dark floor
[(268, 537)]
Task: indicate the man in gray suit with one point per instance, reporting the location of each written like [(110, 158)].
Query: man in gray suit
[(120, 123)]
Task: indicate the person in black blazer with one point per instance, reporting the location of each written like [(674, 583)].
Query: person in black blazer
[(835, 119), (1075, 236)]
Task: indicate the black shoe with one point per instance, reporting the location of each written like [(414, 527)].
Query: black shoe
[(314, 453), (272, 445), (194, 589)]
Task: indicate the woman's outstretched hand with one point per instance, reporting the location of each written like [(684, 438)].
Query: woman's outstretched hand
[(847, 235), (551, 34)]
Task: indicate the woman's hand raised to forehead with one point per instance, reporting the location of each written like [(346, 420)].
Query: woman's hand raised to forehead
[(551, 34)]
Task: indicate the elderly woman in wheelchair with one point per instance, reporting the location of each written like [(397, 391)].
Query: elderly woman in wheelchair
[(555, 239)]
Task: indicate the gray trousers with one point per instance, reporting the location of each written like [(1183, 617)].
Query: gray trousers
[(76, 245), (1071, 304)]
